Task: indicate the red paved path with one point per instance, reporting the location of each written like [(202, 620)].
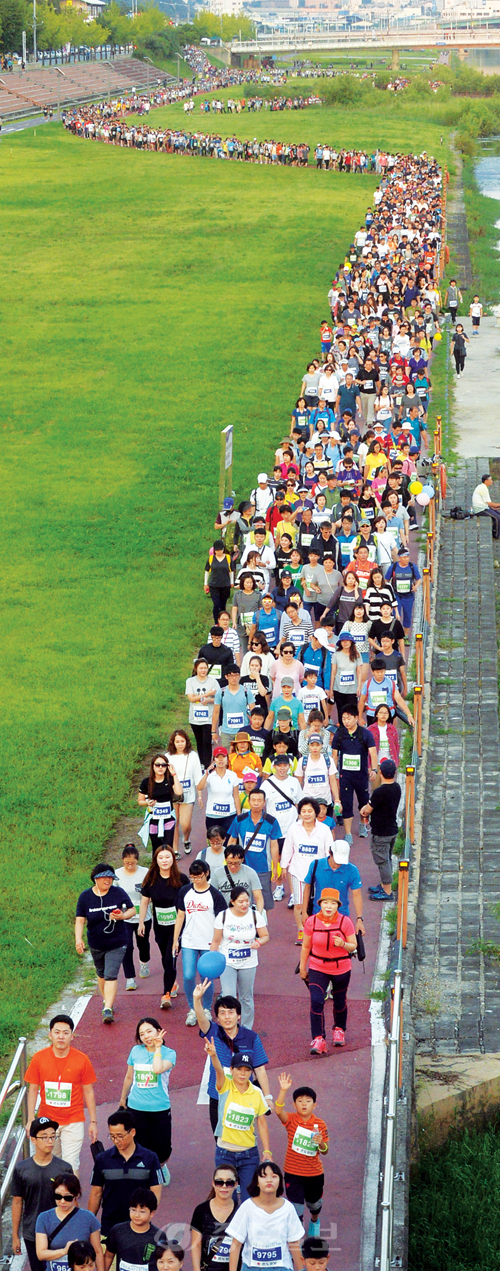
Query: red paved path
[(282, 1018)]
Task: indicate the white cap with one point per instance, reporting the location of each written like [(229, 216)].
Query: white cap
[(262, 476), (322, 637), (336, 436), (341, 851)]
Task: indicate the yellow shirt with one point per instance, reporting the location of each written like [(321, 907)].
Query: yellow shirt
[(287, 527), (237, 1113)]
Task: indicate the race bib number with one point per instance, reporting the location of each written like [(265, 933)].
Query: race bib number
[(347, 679), (200, 716), (302, 1142), (368, 513), (267, 1257), (282, 807), (216, 670), (61, 1265), (378, 699), (162, 810), (236, 1117), (310, 704), (259, 843), (166, 917), (351, 763), (238, 955), (135, 1266), (258, 744), (317, 780), (144, 1077), (222, 1249), (186, 785), (58, 1094), (393, 529), (297, 638), (222, 809), (403, 586), (308, 849), (236, 720), (248, 620)]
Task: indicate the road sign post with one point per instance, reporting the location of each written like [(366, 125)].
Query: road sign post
[(226, 463)]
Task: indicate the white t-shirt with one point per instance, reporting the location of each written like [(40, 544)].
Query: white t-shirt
[(198, 929), (481, 498), (238, 935), (264, 1236), (317, 773), (132, 884), (311, 698), (220, 794), (188, 769), (300, 849), (201, 712), (276, 803)]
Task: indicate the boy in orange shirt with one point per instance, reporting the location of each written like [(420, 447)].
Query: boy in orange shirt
[(307, 1143)]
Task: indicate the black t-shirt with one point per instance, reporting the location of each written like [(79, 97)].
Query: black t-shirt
[(220, 656), (103, 932), (250, 685), (385, 802), (34, 1184), (214, 1245), (119, 1178), (357, 746), (164, 896), (163, 793), (393, 628), (134, 1247)]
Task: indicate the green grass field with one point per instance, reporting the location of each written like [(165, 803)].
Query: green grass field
[(147, 302)]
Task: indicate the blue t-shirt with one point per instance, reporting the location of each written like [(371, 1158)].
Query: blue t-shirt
[(80, 1226), (321, 660), (259, 856), (225, 1046), (292, 704), (234, 709), (269, 624), (344, 877), (149, 1091), (402, 578)]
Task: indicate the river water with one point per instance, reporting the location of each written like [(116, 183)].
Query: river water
[(487, 170)]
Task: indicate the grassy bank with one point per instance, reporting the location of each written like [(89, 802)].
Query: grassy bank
[(454, 1222), (147, 303), (482, 215)]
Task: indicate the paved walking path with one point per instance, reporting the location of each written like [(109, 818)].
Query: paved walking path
[(456, 998), (477, 393)]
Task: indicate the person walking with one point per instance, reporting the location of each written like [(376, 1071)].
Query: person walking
[(241, 1104), (382, 810), (161, 887), (131, 876), (145, 1087), (187, 766), (117, 1170), (63, 1077), (458, 348), (325, 958), (453, 297), (64, 1223), (266, 1230), (197, 908), (103, 907), (31, 1189), (209, 1243), (239, 934)]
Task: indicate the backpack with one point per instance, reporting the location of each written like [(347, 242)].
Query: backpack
[(459, 514)]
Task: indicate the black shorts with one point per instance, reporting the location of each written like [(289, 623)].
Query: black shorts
[(154, 1131), (300, 1190)]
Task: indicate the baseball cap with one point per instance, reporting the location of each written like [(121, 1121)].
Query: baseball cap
[(336, 437), (404, 551), (330, 893), (322, 637), (262, 476), (228, 504), (388, 768), (42, 1123), (314, 737), (284, 713), (287, 680), (341, 851), (281, 759), (220, 750), (241, 1059), (249, 774)]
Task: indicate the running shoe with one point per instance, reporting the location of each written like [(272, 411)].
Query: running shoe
[(165, 1002), (130, 986), (363, 830), (318, 1046), (107, 1015), (175, 990), (191, 1018), (380, 894), (300, 937), (187, 847), (338, 1037), (314, 1228), (348, 839), (279, 892), (144, 970), (166, 1174), (290, 903)]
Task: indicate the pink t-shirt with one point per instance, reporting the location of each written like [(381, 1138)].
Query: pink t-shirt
[(295, 672)]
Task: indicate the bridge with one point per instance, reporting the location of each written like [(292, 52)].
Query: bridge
[(394, 39)]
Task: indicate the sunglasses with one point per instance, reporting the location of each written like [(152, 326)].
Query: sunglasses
[(224, 1182), (61, 1196), (159, 765)]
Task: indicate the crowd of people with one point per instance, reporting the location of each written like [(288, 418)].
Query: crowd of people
[(295, 703)]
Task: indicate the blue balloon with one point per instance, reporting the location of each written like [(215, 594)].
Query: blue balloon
[(429, 489), (211, 965)]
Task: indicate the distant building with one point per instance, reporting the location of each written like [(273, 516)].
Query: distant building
[(91, 8)]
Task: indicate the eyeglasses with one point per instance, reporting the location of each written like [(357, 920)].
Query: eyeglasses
[(224, 1182), (61, 1196), (45, 1138), (118, 1138)]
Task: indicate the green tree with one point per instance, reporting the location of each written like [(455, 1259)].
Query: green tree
[(117, 23), (14, 19), (209, 26)]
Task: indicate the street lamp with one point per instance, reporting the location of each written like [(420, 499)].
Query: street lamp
[(149, 63), (59, 72)]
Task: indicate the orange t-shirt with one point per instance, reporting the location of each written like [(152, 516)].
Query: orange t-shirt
[(302, 1157), (238, 763), (60, 1082)]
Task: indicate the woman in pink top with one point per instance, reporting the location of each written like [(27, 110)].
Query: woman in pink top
[(286, 665)]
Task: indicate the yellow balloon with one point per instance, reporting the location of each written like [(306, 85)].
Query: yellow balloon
[(415, 487)]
